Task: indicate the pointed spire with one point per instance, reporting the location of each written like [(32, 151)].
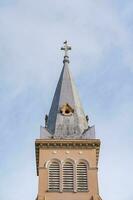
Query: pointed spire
[(66, 118)]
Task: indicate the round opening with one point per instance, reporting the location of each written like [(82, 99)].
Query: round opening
[(67, 111)]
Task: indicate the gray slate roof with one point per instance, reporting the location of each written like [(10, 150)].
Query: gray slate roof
[(63, 126)]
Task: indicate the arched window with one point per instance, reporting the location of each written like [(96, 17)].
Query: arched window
[(82, 183), (68, 176), (54, 176)]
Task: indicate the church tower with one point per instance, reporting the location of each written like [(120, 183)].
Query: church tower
[(67, 152)]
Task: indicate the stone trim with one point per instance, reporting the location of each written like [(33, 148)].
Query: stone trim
[(65, 144)]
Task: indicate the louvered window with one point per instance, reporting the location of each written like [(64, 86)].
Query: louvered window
[(82, 184), (68, 177), (54, 176)]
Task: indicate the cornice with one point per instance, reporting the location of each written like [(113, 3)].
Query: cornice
[(66, 144)]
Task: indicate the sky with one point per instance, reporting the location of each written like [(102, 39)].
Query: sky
[(101, 35)]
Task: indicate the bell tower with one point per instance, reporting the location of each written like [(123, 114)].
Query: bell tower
[(67, 152)]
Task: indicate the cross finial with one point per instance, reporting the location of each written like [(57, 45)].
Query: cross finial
[(66, 48)]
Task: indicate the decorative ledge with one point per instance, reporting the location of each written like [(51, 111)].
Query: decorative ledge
[(66, 144)]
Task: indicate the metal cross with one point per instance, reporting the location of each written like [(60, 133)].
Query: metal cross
[(66, 48)]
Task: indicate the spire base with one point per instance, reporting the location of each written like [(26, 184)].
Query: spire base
[(66, 59)]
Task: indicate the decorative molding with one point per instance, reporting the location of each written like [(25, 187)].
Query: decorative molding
[(41, 168), (66, 144), (93, 168), (50, 161)]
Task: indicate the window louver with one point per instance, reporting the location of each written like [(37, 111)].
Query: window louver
[(82, 184), (54, 176), (68, 177)]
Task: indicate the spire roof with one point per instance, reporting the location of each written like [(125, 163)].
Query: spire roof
[(66, 117)]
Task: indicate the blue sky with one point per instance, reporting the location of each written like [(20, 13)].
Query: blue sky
[(101, 36)]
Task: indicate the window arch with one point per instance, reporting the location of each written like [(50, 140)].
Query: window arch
[(54, 176), (82, 178), (68, 176)]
